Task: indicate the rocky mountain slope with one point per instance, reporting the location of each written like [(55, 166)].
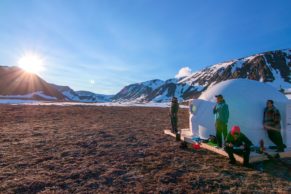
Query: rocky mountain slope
[(82, 96), (271, 67), (137, 91)]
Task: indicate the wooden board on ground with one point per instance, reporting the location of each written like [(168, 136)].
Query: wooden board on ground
[(184, 133), (254, 157)]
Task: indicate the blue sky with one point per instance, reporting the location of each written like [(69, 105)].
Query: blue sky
[(119, 42)]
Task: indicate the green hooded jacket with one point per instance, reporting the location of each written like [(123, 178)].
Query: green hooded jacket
[(221, 112), (242, 139)]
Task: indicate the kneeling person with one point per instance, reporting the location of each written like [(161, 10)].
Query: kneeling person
[(237, 142)]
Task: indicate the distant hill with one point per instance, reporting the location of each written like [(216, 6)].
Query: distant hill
[(15, 83), (86, 96), (82, 96), (18, 84)]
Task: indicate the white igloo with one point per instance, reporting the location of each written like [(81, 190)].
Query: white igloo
[(246, 100)]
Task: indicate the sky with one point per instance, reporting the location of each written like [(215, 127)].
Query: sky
[(104, 45)]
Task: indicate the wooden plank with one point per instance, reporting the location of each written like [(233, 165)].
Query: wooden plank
[(169, 132), (214, 149), (286, 153), (254, 157), (238, 158), (185, 137), (184, 133)]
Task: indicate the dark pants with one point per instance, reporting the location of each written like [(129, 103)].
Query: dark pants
[(174, 122), (243, 152), (276, 138), (221, 129)]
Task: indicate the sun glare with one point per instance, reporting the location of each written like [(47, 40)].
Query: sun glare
[(31, 63)]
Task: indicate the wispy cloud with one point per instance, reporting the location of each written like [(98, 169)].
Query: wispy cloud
[(183, 72)]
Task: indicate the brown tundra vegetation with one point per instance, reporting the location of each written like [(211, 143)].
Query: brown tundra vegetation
[(89, 149)]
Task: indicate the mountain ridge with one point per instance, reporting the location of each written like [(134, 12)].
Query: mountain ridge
[(272, 67)]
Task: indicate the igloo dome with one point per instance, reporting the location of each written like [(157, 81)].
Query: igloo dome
[(246, 100)]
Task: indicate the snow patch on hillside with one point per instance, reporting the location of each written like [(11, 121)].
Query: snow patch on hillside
[(18, 102), (250, 58), (287, 51), (278, 82), (222, 65), (71, 96), (29, 96), (162, 97), (153, 84)]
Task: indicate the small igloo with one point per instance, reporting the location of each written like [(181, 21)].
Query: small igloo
[(246, 100)]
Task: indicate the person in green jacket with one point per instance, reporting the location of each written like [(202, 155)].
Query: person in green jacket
[(237, 142), (174, 114), (221, 113)]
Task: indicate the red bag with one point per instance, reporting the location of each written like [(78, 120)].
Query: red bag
[(196, 146)]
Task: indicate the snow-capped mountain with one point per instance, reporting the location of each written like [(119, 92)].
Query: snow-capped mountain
[(271, 67), (86, 96), (18, 84), (138, 92), (170, 88), (156, 91), (69, 94), (82, 96)]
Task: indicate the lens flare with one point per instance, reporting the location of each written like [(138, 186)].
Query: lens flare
[(31, 63)]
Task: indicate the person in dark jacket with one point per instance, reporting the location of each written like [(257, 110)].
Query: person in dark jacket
[(174, 114), (272, 124), (237, 142), (221, 113)]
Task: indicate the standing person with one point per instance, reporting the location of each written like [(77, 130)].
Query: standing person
[(174, 114), (237, 142), (272, 124), (221, 113)]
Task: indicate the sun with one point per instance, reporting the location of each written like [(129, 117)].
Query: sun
[(32, 63)]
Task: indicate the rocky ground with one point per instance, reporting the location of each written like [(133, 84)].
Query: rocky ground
[(86, 149)]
